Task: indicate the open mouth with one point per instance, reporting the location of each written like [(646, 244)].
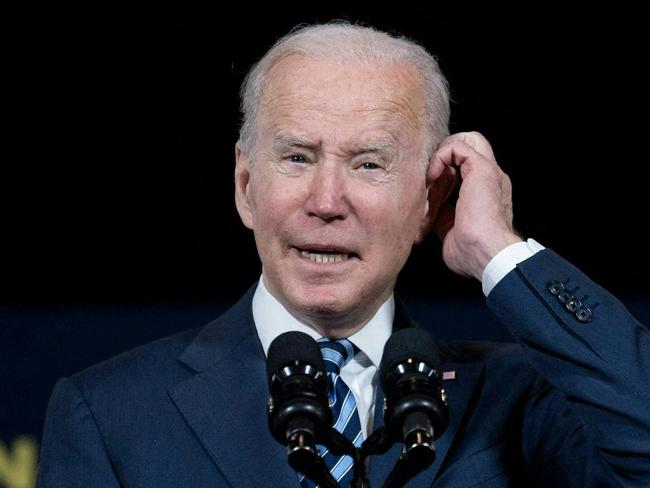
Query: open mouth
[(326, 255)]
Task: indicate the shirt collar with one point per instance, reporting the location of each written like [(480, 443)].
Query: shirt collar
[(272, 319)]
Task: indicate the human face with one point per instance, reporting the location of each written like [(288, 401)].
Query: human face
[(334, 189)]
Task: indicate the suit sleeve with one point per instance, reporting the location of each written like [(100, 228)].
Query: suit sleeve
[(586, 344), (73, 453)]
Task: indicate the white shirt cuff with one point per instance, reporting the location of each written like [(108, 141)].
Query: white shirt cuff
[(506, 260)]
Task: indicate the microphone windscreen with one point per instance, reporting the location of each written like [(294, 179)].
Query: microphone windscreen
[(409, 343), (293, 346)]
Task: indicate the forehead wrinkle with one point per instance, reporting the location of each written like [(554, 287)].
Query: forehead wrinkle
[(405, 113), (407, 108)]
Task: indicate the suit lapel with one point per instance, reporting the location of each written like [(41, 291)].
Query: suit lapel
[(225, 402), (459, 392)]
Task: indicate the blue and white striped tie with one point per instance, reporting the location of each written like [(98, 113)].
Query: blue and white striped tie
[(343, 406)]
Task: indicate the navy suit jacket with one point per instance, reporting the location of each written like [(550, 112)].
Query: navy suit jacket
[(568, 406)]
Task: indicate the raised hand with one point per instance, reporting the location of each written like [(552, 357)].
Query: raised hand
[(480, 224)]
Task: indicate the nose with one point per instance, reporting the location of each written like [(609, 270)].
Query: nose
[(327, 198)]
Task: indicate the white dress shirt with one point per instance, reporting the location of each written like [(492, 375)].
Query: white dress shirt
[(360, 373)]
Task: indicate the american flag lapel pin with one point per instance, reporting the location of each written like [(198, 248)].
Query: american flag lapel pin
[(449, 375)]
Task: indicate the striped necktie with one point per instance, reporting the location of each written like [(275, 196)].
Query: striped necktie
[(344, 409)]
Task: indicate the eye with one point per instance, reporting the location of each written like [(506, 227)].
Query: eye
[(296, 158), (369, 166)]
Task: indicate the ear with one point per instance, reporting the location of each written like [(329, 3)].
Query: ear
[(440, 182), (242, 188)]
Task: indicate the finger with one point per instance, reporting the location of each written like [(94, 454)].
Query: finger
[(476, 141), (457, 153), (473, 140), (436, 167)]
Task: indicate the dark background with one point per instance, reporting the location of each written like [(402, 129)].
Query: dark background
[(118, 221), (119, 184)]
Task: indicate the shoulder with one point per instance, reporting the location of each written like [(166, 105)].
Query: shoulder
[(156, 366), (147, 367), (123, 397)]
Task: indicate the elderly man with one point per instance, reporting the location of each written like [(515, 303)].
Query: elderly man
[(343, 164)]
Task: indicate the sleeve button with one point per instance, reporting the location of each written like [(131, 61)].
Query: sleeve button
[(564, 296), (584, 314), (573, 305), (555, 287)]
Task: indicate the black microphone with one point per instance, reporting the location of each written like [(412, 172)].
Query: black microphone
[(298, 410), (415, 409)]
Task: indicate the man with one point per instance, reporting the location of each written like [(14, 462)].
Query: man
[(343, 163)]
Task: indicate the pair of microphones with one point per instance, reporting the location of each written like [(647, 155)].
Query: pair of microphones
[(415, 408)]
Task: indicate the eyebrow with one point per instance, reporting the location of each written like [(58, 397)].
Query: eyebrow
[(377, 146), (293, 141)]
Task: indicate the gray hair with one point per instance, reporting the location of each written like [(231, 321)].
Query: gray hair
[(345, 42)]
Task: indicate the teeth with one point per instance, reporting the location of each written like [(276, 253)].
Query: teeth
[(325, 258)]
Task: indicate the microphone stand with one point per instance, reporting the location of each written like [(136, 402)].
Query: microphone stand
[(304, 457), (417, 455), (302, 454), (379, 442), (412, 461)]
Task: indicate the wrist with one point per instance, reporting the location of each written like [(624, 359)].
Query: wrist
[(507, 260), (491, 248)]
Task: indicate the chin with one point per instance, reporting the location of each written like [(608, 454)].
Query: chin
[(325, 305)]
